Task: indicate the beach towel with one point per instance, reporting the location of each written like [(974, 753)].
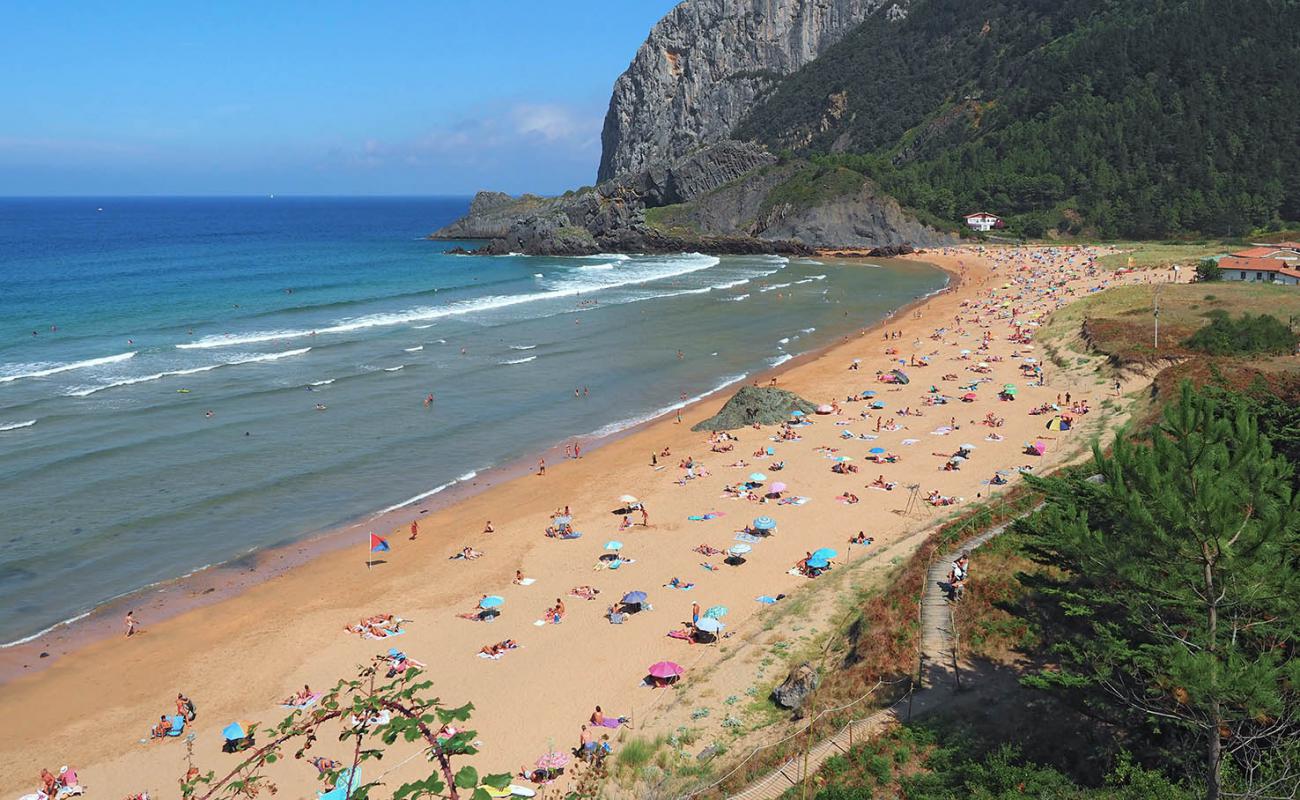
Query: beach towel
[(793, 501), (300, 706), (527, 581), (868, 437), (707, 516), (495, 657), (540, 623), (387, 634), (571, 535), (765, 599), (679, 635), (746, 537), (910, 442), (613, 722)]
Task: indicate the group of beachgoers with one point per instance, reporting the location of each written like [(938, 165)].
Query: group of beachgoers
[(1029, 293)]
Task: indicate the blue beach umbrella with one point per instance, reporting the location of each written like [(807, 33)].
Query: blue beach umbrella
[(878, 404), (716, 612), (613, 545), (869, 393), (796, 413), (492, 601), (877, 451), (824, 552), (709, 625), (819, 563), (765, 524), (635, 598), (739, 549), (757, 477), (233, 731)]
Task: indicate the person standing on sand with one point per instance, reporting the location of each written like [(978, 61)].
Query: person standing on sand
[(131, 623), (541, 466), (415, 529), (695, 613), (645, 517), (577, 450)]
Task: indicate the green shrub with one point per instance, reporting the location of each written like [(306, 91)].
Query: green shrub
[(1207, 269), (1247, 335)]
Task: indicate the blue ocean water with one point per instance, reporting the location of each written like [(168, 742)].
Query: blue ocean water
[(185, 380)]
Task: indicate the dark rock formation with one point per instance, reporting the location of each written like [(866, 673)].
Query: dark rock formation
[(854, 215), (798, 685), (765, 405), (703, 65)]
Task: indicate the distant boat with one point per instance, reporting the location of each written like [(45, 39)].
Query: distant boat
[(99, 209)]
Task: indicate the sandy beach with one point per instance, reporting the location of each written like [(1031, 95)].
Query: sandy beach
[(237, 658)]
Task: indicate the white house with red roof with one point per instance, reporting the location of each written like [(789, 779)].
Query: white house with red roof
[(984, 221)]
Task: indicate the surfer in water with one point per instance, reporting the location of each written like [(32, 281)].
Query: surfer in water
[(428, 401)]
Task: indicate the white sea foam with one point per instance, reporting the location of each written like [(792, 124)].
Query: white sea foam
[(42, 371), (610, 256), (45, 630), (86, 391), (326, 382), (732, 284), (631, 422), (518, 360), (538, 275), (738, 297), (786, 340), (774, 286), (807, 330), (778, 360), (660, 269), (422, 327), (415, 349), (13, 426), (523, 346), (394, 369), (435, 490), (598, 267)]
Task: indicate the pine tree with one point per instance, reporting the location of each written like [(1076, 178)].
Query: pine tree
[(1179, 609)]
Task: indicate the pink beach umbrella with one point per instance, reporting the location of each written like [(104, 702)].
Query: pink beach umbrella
[(665, 669), (1040, 446), (777, 487), (824, 409)]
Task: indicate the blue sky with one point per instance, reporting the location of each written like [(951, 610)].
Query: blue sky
[(377, 97)]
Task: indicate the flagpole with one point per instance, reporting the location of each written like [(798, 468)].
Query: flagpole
[(369, 550)]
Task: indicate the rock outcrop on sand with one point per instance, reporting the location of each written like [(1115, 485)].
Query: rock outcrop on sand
[(802, 681), (765, 405), (702, 67)]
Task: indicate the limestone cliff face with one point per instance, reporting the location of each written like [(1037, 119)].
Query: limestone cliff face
[(702, 67)]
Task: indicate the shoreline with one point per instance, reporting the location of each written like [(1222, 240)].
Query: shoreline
[(213, 584), (237, 656)]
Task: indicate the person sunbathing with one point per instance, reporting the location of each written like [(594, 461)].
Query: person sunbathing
[(678, 583), (585, 592), (324, 765), (881, 483), (299, 698), (777, 466), (704, 549), (848, 498), (861, 538), (161, 729)]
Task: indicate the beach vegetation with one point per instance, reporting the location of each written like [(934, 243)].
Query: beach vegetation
[(1177, 607), (372, 714), (1207, 269), (1249, 334)]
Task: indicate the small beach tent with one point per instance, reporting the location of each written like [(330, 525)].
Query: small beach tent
[(901, 376)]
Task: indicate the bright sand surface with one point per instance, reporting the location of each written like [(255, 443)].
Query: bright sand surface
[(238, 657)]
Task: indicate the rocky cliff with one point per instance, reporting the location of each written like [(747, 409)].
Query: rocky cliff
[(703, 65)]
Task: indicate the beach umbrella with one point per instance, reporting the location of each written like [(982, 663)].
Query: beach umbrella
[(983, 364), (824, 409), (796, 413), (902, 376), (757, 477), (491, 601), (1040, 447), (869, 393), (1054, 424), (627, 498), (764, 524), (843, 459), (878, 404), (553, 760), (562, 520), (716, 612), (970, 396), (1031, 361), (877, 451), (233, 731), (1010, 390), (819, 563), (777, 487), (825, 552), (957, 459), (709, 625), (966, 447), (634, 598), (965, 352), (665, 669), (613, 545), (739, 549)]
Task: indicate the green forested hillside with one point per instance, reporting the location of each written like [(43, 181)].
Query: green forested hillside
[(1115, 117)]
